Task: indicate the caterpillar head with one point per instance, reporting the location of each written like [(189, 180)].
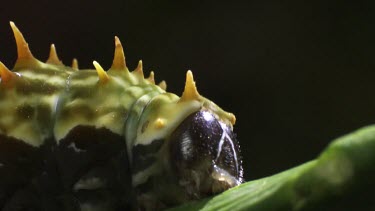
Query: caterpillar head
[(200, 153), (204, 152)]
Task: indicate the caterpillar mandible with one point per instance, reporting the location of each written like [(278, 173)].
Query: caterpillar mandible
[(75, 139)]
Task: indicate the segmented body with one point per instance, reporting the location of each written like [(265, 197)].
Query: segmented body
[(65, 131)]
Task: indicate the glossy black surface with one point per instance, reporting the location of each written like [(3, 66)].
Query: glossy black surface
[(200, 144)]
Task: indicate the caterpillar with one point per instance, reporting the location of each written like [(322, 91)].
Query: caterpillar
[(97, 140)]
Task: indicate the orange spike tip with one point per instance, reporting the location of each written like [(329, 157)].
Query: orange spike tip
[(23, 50), (5, 73), (163, 85), (160, 123), (119, 62), (139, 69), (103, 76), (53, 58), (190, 91), (151, 77), (75, 64), (232, 118)]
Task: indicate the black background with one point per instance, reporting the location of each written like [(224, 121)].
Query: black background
[(297, 74)]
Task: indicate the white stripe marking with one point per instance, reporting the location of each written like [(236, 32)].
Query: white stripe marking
[(222, 139), (75, 148)]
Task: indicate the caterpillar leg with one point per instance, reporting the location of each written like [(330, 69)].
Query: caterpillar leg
[(94, 170), (19, 164)]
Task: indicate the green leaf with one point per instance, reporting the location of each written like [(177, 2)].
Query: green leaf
[(341, 178)]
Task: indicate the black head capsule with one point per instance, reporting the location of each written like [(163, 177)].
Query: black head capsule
[(205, 155)]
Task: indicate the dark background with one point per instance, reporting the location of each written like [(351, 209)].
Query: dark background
[(297, 74)]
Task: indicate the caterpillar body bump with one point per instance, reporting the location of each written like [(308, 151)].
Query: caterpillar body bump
[(107, 140)]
